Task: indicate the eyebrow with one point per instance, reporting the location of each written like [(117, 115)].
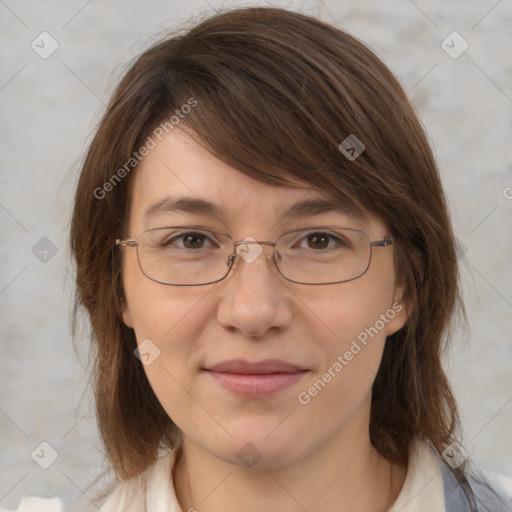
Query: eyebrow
[(199, 206)]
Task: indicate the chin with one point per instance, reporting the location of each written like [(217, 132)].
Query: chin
[(255, 448)]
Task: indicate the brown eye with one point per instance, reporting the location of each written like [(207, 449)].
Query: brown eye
[(318, 241), (187, 240), (323, 241), (193, 240)]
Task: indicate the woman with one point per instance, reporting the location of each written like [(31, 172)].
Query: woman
[(265, 253)]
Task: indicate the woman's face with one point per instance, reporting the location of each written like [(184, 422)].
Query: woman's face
[(334, 334)]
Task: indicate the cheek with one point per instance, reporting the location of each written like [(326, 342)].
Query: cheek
[(354, 349), (358, 312), (166, 320), (171, 318), (155, 310), (168, 323), (356, 318)]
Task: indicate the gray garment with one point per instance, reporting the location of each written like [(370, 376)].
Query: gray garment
[(470, 495)]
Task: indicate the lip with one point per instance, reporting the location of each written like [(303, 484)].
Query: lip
[(255, 379), (242, 366)]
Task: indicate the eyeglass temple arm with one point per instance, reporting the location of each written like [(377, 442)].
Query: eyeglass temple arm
[(382, 243), (126, 243)]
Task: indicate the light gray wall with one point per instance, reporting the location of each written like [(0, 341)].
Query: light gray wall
[(49, 108)]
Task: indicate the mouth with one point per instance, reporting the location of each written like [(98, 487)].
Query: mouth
[(255, 379)]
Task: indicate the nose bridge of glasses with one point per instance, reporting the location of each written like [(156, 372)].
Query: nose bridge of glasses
[(249, 256), (256, 242)]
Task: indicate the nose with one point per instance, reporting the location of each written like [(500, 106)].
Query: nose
[(254, 297)]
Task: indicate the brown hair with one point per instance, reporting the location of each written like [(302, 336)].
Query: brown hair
[(275, 94)]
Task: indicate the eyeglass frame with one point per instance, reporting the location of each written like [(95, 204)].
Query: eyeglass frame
[(383, 242)]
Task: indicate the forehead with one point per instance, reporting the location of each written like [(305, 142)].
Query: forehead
[(180, 177)]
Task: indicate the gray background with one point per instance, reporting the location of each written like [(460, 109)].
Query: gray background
[(49, 108)]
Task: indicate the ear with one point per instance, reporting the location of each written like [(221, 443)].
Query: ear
[(127, 317), (398, 312)]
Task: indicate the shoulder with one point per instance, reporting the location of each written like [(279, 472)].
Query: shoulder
[(434, 485), (28, 503), (148, 491), (475, 490), (493, 491), (127, 495)]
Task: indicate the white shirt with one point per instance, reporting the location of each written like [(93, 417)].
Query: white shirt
[(153, 491), (422, 490)]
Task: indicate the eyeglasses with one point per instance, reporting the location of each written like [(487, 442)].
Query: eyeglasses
[(194, 256)]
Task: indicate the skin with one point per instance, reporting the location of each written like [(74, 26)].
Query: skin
[(313, 457)]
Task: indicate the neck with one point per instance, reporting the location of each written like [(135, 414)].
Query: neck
[(345, 473)]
